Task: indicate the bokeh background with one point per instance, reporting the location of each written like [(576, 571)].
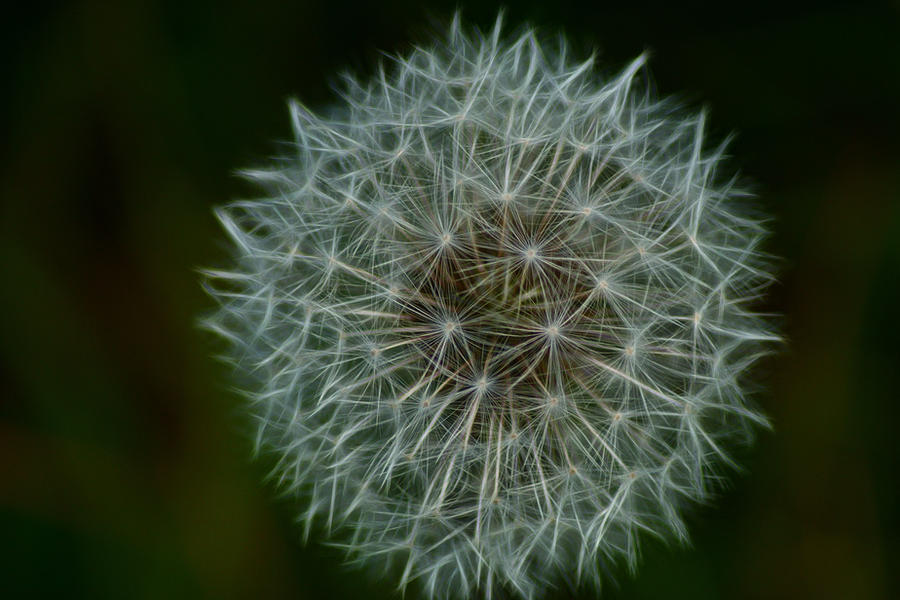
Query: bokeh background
[(124, 459)]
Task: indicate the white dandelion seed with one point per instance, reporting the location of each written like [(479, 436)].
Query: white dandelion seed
[(497, 314)]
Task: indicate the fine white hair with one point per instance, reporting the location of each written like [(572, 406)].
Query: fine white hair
[(493, 315)]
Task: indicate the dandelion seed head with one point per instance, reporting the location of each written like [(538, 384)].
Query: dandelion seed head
[(494, 314)]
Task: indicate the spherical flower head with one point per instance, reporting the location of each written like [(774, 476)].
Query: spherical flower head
[(494, 313)]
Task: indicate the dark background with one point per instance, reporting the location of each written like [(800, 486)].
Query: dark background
[(124, 466)]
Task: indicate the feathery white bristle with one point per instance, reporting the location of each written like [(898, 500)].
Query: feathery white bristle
[(497, 314)]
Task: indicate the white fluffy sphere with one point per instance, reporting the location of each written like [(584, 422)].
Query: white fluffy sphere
[(495, 312)]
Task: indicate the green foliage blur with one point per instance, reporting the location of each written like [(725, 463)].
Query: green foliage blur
[(125, 467)]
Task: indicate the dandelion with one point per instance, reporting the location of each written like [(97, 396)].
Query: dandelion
[(495, 313)]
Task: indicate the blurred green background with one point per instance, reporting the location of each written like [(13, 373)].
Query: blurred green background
[(124, 464)]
